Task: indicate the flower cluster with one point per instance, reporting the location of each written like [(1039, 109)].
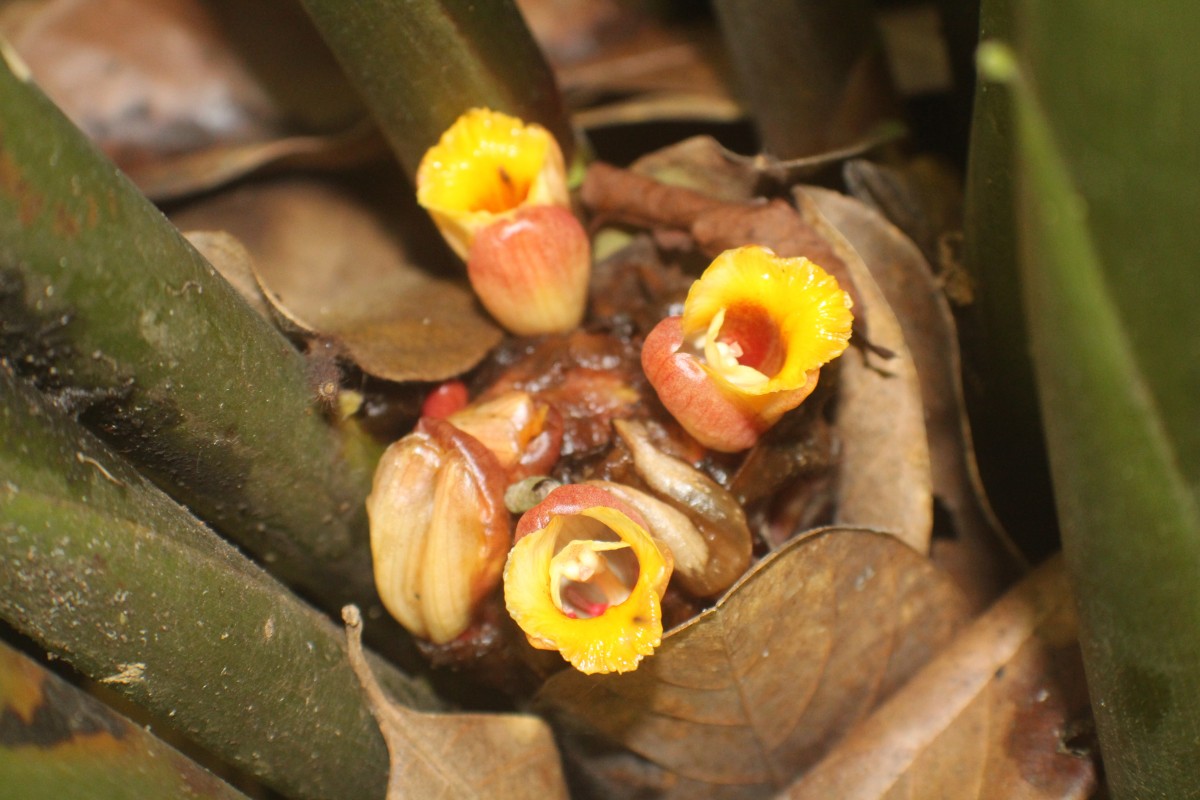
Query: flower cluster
[(586, 569)]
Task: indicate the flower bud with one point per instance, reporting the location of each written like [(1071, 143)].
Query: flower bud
[(530, 270), (522, 431), (586, 578), (754, 333), (439, 529)]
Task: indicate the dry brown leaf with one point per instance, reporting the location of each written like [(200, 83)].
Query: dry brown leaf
[(330, 263), (510, 756), (142, 77), (190, 173), (923, 198), (639, 57), (988, 719), (754, 690), (659, 107), (619, 65), (884, 479), (907, 282), (702, 164), (186, 95)]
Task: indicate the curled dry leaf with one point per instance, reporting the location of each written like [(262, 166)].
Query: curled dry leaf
[(210, 168), (751, 692), (907, 282), (884, 479), (457, 755), (988, 719), (702, 164), (328, 262), (187, 95), (618, 64), (923, 198)]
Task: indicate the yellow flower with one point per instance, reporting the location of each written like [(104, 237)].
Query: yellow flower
[(586, 579), (486, 166), (756, 329), (497, 190)]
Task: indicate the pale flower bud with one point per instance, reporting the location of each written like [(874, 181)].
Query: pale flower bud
[(531, 270), (439, 529)]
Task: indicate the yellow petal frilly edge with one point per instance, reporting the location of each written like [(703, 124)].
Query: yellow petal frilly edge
[(616, 639)]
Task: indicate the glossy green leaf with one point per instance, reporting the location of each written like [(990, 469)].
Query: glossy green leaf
[(1106, 114)]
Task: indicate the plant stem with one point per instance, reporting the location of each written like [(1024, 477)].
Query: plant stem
[(420, 64), (109, 574), (109, 309)]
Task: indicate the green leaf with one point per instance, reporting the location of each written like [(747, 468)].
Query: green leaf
[(422, 63), (127, 325), (108, 573), (57, 741), (1002, 400), (1105, 120)]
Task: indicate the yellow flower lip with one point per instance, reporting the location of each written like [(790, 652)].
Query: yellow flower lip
[(485, 166), (756, 329), (585, 578), (764, 322)]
